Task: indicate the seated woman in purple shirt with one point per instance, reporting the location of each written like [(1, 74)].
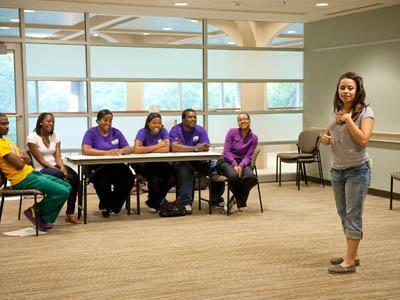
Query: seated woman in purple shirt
[(112, 182), (160, 177), (239, 146)]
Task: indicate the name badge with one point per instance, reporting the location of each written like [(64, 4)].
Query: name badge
[(115, 142)]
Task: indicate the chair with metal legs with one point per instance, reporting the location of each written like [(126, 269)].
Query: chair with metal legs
[(7, 192), (254, 168), (396, 176), (308, 152)]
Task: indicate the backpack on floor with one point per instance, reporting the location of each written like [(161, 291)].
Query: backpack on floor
[(172, 209)]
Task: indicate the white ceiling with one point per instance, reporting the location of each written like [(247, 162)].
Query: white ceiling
[(265, 10)]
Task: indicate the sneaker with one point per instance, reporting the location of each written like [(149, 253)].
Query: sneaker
[(105, 212), (232, 206), (150, 208), (242, 209), (45, 224), (30, 215), (188, 209), (219, 205)]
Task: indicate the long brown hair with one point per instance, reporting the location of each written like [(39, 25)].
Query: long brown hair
[(359, 99)]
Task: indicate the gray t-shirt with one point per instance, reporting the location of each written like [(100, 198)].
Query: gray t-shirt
[(346, 152)]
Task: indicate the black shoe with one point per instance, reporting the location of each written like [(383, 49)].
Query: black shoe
[(105, 212)]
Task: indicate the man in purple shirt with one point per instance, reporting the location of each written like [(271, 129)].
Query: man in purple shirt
[(190, 137), (239, 146)]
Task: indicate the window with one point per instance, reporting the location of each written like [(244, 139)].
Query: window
[(146, 96), (106, 28), (264, 125), (51, 60), (12, 129), (224, 95), (7, 83), (292, 36), (284, 95), (173, 95), (9, 21), (141, 62), (56, 96), (51, 25), (109, 95), (255, 64)]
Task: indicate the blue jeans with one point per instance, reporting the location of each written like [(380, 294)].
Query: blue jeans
[(350, 187), (184, 172)]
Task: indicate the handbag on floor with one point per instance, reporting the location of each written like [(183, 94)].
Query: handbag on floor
[(172, 209)]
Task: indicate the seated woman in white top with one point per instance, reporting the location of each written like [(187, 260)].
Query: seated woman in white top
[(45, 148)]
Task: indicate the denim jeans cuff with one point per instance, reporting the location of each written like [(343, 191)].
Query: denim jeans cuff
[(354, 235)]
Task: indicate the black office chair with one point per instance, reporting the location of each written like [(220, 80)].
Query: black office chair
[(308, 152), (7, 192)]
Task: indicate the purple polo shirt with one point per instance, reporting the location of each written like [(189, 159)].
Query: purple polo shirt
[(114, 139), (188, 138), (148, 139), (238, 149)]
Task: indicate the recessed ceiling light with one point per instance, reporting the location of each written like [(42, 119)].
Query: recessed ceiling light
[(29, 11), (167, 28), (4, 28), (95, 34), (180, 4), (194, 21), (231, 43), (14, 20), (320, 4), (291, 31), (146, 33)]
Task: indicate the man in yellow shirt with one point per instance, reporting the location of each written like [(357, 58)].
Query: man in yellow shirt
[(15, 164)]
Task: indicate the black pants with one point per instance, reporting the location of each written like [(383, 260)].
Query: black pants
[(72, 179), (113, 184), (160, 179), (240, 187)]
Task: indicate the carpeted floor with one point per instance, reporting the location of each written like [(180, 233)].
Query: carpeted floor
[(280, 254)]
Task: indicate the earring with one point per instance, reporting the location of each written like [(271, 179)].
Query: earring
[(41, 123)]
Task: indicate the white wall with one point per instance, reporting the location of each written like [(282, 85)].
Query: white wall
[(367, 43)]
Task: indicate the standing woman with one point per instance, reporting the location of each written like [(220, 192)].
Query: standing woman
[(112, 182), (154, 138), (348, 134), (239, 146), (45, 146)]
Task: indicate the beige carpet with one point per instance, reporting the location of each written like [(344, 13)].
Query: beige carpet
[(280, 254)]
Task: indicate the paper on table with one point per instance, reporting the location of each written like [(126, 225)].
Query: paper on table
[(24, 232)]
